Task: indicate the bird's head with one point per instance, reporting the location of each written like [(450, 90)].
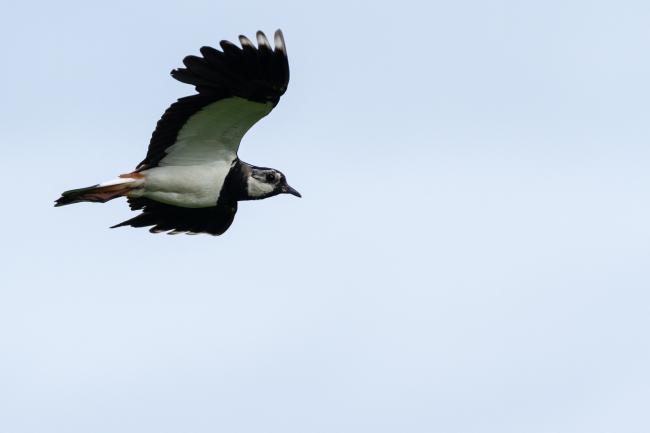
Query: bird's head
[(267, 182)]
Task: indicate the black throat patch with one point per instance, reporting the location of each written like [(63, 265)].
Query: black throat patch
[(235, 185)]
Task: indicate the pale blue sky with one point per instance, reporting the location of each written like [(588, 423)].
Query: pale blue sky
[(470, 254)]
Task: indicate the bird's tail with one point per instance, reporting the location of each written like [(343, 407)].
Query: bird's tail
[(101, 192)]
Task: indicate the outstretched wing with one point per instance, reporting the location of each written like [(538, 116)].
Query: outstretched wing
[(173, 219), (236, 88)]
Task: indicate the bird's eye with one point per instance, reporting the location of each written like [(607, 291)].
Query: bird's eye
[(270, 177)]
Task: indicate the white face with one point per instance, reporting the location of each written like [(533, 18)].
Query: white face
[(262, 183)]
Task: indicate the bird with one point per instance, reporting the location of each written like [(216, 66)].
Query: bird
[(191, 178)]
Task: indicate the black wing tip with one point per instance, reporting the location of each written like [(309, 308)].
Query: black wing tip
[(183, 75), (258, 73), (246, 43), (278, 40), (229, 47), (263, 41)]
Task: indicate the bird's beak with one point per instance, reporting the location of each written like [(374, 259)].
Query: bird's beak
[(288, 190)]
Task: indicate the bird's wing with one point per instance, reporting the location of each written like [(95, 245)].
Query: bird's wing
[(236, 88), (173, 219)]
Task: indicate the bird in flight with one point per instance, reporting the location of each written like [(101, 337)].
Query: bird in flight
[(191, 178)]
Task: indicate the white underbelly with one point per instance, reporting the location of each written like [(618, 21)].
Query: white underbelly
[(192, 186)]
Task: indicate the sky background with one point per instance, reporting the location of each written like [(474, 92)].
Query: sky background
[(470, 254)]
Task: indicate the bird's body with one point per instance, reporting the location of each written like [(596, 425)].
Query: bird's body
[(186, 186), (191, 179)]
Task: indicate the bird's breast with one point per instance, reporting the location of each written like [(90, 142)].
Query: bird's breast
[(192, 186)]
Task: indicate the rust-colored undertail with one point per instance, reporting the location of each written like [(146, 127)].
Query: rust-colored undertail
[(95, 194)]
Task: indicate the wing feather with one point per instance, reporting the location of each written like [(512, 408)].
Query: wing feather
[(248, 82), (173, 220)]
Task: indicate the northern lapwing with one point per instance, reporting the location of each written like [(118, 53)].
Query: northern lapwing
[(191, 179)]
